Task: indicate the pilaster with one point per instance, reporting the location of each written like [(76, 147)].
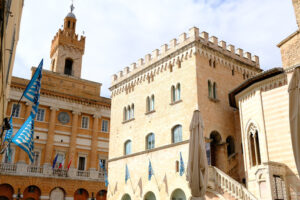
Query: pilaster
[(93, 160), (50, 137), (73, 137)]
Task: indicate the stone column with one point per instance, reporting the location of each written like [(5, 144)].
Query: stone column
[(93, 161), (50, 137), (22, 153), (73, 138)]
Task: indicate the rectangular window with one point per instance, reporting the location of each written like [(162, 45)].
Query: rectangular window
[(60, 159), (85, 122), (104, 126), (81, 163), (40, 116), (15, 112), (103, 161), (7, 159), (208, 152), (279, 187), (36, 158)]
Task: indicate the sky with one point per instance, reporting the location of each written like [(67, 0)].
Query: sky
[(119, 32)]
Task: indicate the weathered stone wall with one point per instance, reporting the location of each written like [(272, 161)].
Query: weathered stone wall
[(290, 51), (296, 4)]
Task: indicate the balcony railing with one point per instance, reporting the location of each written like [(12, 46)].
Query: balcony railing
[(8, 168), (60, 172), (34, 169), (83, 173), (47, 171)]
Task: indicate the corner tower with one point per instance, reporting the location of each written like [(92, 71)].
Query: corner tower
[(67, 48)]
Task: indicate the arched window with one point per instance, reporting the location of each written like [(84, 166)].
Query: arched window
[(173, 95), (215, 90), (124, 114), (177, 134), (127, 147), (132, 111), (230, 146), (255, 157), (150, 141), (214, 64), (68, 66), (152, 103), (209, 89), (126, 197), (257, 149), (148, 104), (178, 194), (210, 62), (178, 91), (128, 112)]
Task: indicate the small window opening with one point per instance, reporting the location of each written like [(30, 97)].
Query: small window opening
[(68, 24), (68, 66)]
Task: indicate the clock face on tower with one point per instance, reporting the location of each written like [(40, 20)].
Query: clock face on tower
[(63, 117)]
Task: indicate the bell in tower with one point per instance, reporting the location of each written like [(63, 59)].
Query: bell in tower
[(67, 48)]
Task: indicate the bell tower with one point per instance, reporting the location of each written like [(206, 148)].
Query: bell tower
[(296, 4), (67, 48)]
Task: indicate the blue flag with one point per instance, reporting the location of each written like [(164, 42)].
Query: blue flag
[(54, 161), (9, 132), (32, 91), (127, 175), (181, 168), (105, 179), (101, 165), (24, 137), (150, 171)]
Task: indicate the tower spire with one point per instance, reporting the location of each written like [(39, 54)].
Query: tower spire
[(72, 7)]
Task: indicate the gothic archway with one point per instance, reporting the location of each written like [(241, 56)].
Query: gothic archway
[(101, 195), (6, 192), (57, 194), (32, 192), (214, 147), (178, 194), (81, 194)]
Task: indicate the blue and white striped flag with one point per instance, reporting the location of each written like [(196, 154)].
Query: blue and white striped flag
[(32, 91), (101, 165), (127, 175), (105, 173), (181, 166), (150, 171), (24, 137), (9, 132)]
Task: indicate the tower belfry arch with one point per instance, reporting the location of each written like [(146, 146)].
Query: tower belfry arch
[(67, 48)]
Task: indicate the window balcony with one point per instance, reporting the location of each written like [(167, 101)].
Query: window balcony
[(23, 169)]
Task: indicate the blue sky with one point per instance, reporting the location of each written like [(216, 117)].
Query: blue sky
[(119, 32)]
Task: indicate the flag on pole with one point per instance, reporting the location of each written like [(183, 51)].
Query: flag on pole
[(181, 167), (54, 161), (127, 175), (150, 171), (24, 137), (105, 173), (8, 153), (61, 165), (101, 164), (32, 91), (105, 178), (9, 132), (69, 164)]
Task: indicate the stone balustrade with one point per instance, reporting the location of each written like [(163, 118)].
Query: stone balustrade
[(47, 171), (220, 180)]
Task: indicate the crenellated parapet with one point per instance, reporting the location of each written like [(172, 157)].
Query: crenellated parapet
[(63, 37), (184, 46)]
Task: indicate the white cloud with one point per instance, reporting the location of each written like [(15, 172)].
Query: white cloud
[(119, 32)]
